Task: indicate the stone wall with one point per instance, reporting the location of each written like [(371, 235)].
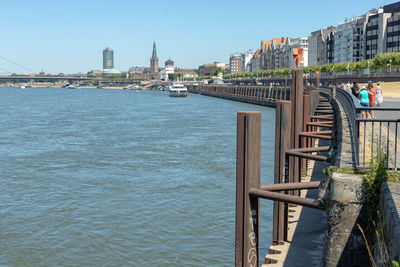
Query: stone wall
[(389, 207), (344, 243)]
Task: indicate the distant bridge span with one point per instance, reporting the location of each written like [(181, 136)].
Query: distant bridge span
[(19, 79)]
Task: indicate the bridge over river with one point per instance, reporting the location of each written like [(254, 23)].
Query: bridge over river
[(97, 81)]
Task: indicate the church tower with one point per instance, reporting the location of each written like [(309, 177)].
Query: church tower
[(154, 60)]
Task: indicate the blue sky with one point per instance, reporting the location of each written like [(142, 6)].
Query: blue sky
[(69, 36)]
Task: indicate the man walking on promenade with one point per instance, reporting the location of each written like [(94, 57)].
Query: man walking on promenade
[(355, 89)]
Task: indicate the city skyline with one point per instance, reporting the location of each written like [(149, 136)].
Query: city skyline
[(69, 37)]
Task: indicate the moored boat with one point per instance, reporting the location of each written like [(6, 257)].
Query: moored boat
[(132, 87), (178, 90)]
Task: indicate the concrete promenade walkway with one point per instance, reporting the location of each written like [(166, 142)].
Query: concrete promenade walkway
[(307, 227), (307, 243)]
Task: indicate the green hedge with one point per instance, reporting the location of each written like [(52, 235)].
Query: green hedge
[(378, 62)]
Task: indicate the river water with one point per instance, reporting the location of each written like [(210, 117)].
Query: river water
[(94, 177)]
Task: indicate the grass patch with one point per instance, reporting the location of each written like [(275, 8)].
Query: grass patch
[(393, 177)]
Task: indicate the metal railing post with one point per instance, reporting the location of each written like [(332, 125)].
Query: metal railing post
[(282, 144), (306, 118), (248, 162), (297, 123)]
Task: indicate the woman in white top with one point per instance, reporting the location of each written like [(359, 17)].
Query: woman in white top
[(379, 96)]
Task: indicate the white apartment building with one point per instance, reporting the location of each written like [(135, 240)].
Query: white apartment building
[(246, 59), (343, 46)]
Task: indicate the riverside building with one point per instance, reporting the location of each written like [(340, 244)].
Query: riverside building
[(235, 63), (207, 69), (169, 69), (108, 58), (255, 61), (344, 41), (246, 58), (393, 27), (318, 46)]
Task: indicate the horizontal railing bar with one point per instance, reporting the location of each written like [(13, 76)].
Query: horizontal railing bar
[(306, 202), (320, 123), (378, 108), (322, 117), (378, 120), (307, 156), (290, 186), (311, 149), (325, 137), (316, 132)]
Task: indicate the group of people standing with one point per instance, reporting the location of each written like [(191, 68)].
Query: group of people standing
[(369, 96)]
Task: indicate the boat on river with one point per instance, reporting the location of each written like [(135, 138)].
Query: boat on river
[(72, 86), (178, 90), (132, 87)]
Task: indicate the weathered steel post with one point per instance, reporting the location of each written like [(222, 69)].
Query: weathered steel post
[(297, 122), (282, 144), (306, 118), (248, 162)]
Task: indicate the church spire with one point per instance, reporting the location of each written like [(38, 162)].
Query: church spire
[(154, 60), (154, 55)]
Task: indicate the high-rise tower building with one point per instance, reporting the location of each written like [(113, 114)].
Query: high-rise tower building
[(108, 58), (154, 60)]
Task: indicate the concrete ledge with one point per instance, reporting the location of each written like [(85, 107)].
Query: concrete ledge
[(345, 148), (348, 188), (344, 243)]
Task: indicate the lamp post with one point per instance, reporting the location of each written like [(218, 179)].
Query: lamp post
[(348, 66), (390, 65), (368, 67)]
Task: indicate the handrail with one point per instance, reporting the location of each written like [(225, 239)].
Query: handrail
[(350, 105)]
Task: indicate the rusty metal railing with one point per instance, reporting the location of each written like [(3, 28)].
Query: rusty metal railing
[(298, 124), (235, 92)]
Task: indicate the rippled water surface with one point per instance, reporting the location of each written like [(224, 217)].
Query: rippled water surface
[(114, 177)]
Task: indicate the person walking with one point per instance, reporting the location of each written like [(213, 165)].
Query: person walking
[(379, 95), (372, 98), (348, 86), (364, 101), (355, 89)]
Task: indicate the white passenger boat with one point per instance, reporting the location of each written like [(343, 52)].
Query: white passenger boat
[(178, 89), (132, 87)]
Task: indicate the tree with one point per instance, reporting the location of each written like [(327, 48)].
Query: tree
[(217, 71), (174, 76)]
